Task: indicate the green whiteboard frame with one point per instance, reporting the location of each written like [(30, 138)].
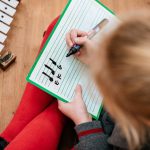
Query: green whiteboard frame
[(48, 39)]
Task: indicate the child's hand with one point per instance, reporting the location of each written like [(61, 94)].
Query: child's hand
[(75, 110), (80, 38)]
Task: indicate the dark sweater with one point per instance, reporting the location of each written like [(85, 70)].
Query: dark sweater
[(101, 135)]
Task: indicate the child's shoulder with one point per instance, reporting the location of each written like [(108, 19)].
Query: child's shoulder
[(113, 131)]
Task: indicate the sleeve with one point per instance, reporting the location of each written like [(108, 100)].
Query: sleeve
[(91, 136)]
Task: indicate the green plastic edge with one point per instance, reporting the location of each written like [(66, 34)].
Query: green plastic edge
[(49, 92), (37, 59)]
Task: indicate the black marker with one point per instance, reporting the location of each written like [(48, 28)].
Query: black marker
[(75, 48)]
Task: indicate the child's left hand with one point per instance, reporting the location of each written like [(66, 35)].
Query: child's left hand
[(76, 110)]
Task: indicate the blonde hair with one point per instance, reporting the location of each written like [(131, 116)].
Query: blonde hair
[(124, 77)]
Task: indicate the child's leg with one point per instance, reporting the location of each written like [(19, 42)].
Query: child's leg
[(32, 103), (42, 133)]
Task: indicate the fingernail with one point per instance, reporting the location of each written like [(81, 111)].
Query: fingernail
[(70, 45), (76, 40), (86, 37), (77, 87), (90, 32)]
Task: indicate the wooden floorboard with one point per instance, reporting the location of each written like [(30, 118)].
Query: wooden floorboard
[(32, 18)]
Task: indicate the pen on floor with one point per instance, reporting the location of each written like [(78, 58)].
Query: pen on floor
[(75, 48)]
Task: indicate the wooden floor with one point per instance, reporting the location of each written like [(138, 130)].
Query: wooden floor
[(32, 18)]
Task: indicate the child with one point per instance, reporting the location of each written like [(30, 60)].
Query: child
[(121, 67), (121, 70)]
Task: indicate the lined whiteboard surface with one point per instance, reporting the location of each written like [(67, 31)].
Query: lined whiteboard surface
[(83, 15)]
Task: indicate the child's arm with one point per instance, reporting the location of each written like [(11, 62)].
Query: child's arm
[(90, 133), (91, 136), (76, 110)]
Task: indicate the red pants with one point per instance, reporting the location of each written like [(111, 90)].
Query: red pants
[(37, 123)]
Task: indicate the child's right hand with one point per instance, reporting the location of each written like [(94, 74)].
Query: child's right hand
[(79, 37)]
